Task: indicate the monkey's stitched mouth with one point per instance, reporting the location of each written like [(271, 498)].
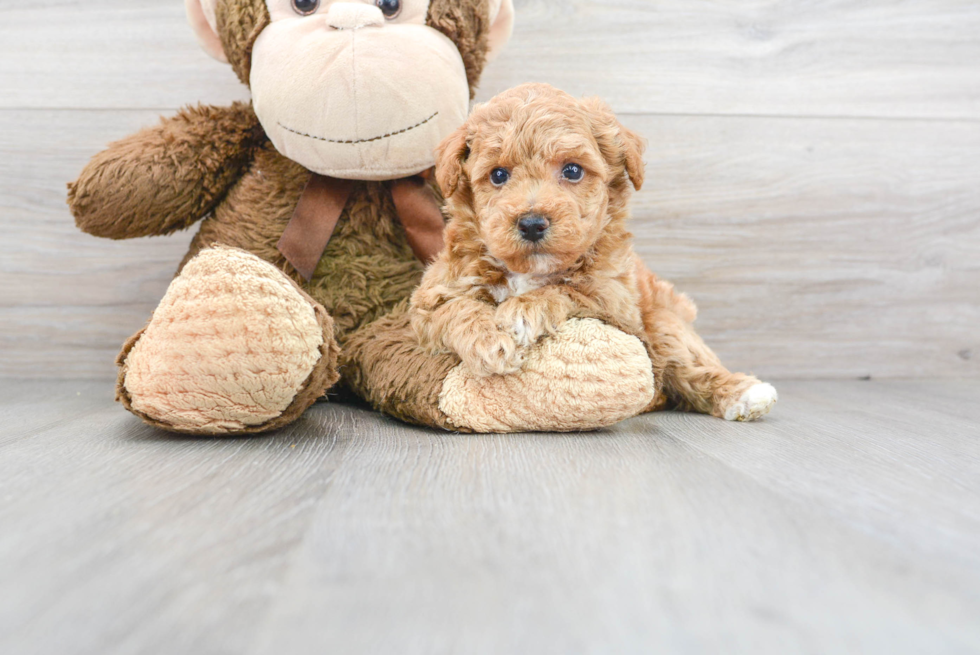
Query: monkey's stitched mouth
[(357, 141)]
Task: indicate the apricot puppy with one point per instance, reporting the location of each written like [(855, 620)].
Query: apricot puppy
[(538, 234), (537, 186)]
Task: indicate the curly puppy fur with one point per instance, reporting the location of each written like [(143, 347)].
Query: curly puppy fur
[(492, 293)]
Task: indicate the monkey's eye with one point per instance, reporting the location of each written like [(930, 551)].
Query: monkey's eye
[(573, 173), (499, 176), (305, 7), (390, 8)]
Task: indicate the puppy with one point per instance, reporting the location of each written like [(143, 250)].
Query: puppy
[(537, 186)]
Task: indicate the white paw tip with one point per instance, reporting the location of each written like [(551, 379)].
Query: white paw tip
[(522, 332), (754, 403)]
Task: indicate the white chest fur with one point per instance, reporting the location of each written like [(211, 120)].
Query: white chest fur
[(517, 284)]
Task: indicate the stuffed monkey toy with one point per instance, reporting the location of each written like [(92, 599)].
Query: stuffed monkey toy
[(318, 212)]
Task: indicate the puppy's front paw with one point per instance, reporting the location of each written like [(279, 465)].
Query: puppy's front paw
[(524, 332), (526, 322), (494, 353)]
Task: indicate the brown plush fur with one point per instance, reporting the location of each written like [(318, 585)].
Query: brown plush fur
[(467, 303), (239, 23), (466, 23), (384, 364), (165, 178), (218, 165), (368, 266)]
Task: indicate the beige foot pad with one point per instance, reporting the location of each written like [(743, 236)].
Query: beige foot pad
[(588, 376), (230, 348)]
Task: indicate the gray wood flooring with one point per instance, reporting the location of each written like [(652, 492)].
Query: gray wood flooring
[(847, 521)]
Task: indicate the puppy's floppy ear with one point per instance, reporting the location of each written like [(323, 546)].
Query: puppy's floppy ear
[(450, 156), (633, 146), (620, 145)]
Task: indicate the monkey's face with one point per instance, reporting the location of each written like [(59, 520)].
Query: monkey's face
[(359, 90)]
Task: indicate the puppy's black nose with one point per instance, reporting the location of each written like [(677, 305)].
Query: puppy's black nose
[(533, 227)]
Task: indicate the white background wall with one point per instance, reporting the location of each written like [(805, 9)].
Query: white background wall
[(813, 170)]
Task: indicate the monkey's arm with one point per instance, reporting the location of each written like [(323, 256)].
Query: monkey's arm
[(165, 178)]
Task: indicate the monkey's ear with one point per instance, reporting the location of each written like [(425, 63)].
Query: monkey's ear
[(501, 26), (450, 156), (200, 14)]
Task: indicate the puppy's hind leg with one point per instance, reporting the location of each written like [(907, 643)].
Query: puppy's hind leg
[(693, 377)]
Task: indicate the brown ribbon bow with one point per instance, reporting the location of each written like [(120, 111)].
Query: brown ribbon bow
[(323, 201)]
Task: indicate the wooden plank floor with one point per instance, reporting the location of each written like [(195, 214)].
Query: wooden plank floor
[(847, 521)]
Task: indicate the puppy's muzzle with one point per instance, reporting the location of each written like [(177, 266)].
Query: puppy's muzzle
[(533, 227)]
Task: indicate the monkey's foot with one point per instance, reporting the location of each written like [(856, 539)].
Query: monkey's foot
[(234, 347), (587, 376)]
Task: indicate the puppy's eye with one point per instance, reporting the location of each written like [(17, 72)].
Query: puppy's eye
[(573, 173), (305, 7), (499, 176), (390, 8)]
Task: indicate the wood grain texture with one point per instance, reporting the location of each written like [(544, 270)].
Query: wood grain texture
[(850, 58), (813, 247), (820, 247), (144, 542), (847, 521), (757, 57), (813, 174), (101, 54)]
